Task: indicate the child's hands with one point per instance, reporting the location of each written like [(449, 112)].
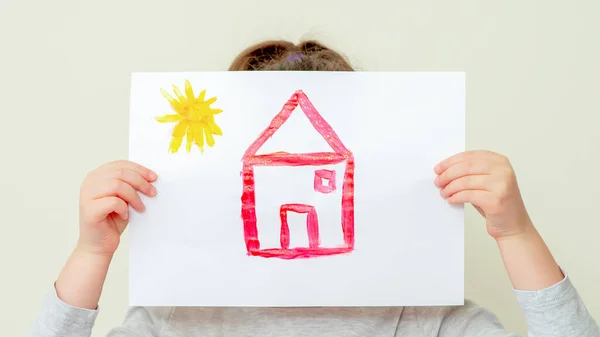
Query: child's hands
[(487, 181), (105, 196)]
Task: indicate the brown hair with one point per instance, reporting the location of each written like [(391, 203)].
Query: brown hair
[(284, 55)]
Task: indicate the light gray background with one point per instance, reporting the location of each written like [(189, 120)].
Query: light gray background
[(532, 93)]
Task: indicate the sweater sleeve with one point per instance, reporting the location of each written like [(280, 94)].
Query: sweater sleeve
[(556, 311), (57, 318)]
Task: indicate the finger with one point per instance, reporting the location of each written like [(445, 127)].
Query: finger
[(476, 182), (457, 158), (134, 179), (118, 188), (104, 206), (461, 169), (477, 198), (145, 172)]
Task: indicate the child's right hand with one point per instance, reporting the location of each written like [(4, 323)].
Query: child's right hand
[(105, 195)]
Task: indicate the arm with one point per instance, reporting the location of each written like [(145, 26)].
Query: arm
[(82, 278), (487, 181), (528, 261), (551, 304), (70, 309)]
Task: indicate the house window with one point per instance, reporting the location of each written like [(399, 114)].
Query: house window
[(325, 181)]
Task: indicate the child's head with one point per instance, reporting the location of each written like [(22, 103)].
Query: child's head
[(283, 55)]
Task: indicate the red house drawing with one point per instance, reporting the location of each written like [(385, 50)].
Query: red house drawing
[(340, 154)]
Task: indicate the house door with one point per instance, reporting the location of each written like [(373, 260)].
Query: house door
[(312, 224)]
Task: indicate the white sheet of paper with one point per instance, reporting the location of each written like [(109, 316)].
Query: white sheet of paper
[(188, 248)]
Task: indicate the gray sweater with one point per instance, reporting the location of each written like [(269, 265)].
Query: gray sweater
[(556, 311)]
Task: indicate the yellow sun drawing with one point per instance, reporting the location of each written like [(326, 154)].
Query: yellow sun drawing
[(194, 117)]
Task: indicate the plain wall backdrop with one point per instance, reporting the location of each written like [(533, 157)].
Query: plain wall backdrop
[(533, 80)]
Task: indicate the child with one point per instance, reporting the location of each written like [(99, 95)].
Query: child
[(484, 179)]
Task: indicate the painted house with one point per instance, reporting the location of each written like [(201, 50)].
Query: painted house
[(322, 181)]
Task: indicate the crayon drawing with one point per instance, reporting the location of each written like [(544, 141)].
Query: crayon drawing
[(296, 207), (194, 117), (324, 182)]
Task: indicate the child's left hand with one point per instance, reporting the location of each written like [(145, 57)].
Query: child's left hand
[(487, 181)]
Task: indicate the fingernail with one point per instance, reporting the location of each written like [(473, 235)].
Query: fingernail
[(152, 190), (126, 215), (436, 168), (153, 175), (436, 181)]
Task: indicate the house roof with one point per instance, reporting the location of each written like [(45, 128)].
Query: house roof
[(317, 121)]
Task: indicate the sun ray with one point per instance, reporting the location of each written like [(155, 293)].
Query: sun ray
[(199, 136), (181, 98), (174, 103), (180, 128), (210, 141), (189, 91), (189, 139), (211, 101), (168, 118), (201, 95), (175, 144), (167, 95), (214, 128)]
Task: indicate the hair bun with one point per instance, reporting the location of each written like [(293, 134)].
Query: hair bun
[(284, 55), (255, 57)]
